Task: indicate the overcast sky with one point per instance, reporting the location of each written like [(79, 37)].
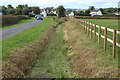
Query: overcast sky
[(79, 4)]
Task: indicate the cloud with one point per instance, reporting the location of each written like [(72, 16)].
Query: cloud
[(67, 3)]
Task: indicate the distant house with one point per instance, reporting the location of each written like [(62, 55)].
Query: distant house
[(43, 12), (69, 13), (116, 13), (48, 10), (96, 13)]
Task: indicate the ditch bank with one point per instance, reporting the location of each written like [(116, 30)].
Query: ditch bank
[(22, 60), (87, 59), (55, 61)]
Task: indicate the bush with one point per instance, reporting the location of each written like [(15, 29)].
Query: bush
[(10, 19)]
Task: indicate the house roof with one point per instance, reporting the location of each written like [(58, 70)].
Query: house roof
[(49, 8), (94, 10)]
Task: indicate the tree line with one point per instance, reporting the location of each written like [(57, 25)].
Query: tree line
[(25, 10), (19, 10), (105, 11)]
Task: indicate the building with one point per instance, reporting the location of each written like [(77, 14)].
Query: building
[(47, 11), (96, 13), (69, 13), (43, 12), (116, 13)]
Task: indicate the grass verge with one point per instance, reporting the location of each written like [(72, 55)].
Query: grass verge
[(25, 37)]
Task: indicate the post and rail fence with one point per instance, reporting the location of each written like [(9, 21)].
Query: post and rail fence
[(90, 29)]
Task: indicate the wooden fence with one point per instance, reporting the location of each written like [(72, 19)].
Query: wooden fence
[(90, 28)]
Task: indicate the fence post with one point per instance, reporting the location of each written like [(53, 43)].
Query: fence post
[(83, 25), (114, 43), (94, 32), (105, 39), (91, 31), (99, 35), (80, 23), (86, 27)]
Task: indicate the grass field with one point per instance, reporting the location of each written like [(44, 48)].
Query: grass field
[(20, 23), (109, 23), (25, 37)]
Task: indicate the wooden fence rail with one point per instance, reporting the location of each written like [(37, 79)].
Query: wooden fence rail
[(90, 28)]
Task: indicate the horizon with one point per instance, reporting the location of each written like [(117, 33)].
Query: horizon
[(72, 4)]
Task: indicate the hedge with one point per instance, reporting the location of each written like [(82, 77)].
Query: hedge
[(10, 19)]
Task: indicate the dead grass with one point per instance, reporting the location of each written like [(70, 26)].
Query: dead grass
[(21, 61), (87, 60)]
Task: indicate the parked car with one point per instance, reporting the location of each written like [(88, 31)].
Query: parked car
[(39, 17)]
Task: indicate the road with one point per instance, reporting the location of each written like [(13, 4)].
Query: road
[(15, 30)]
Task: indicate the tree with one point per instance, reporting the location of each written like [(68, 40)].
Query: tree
[(81, 11), (101, 10), (20, 7), (70, 10), (9, 6), (61, 11), (87, 11), (25, 10), (91, 8), (4, 10), (10, 12), (19, 10), (35, 10)]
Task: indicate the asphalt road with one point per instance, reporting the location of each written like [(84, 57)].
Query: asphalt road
[(15, 30)]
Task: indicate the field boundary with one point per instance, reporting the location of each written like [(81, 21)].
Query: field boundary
[(90, 28), (97, 17)]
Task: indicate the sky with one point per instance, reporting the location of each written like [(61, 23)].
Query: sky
[(74, 4)]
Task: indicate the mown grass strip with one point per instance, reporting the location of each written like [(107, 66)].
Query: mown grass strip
[(25, 37), (20, 23), (55, 62)]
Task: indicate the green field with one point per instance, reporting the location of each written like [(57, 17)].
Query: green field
[(109, 23), (112, 24), (25, 37), (20, 23)]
